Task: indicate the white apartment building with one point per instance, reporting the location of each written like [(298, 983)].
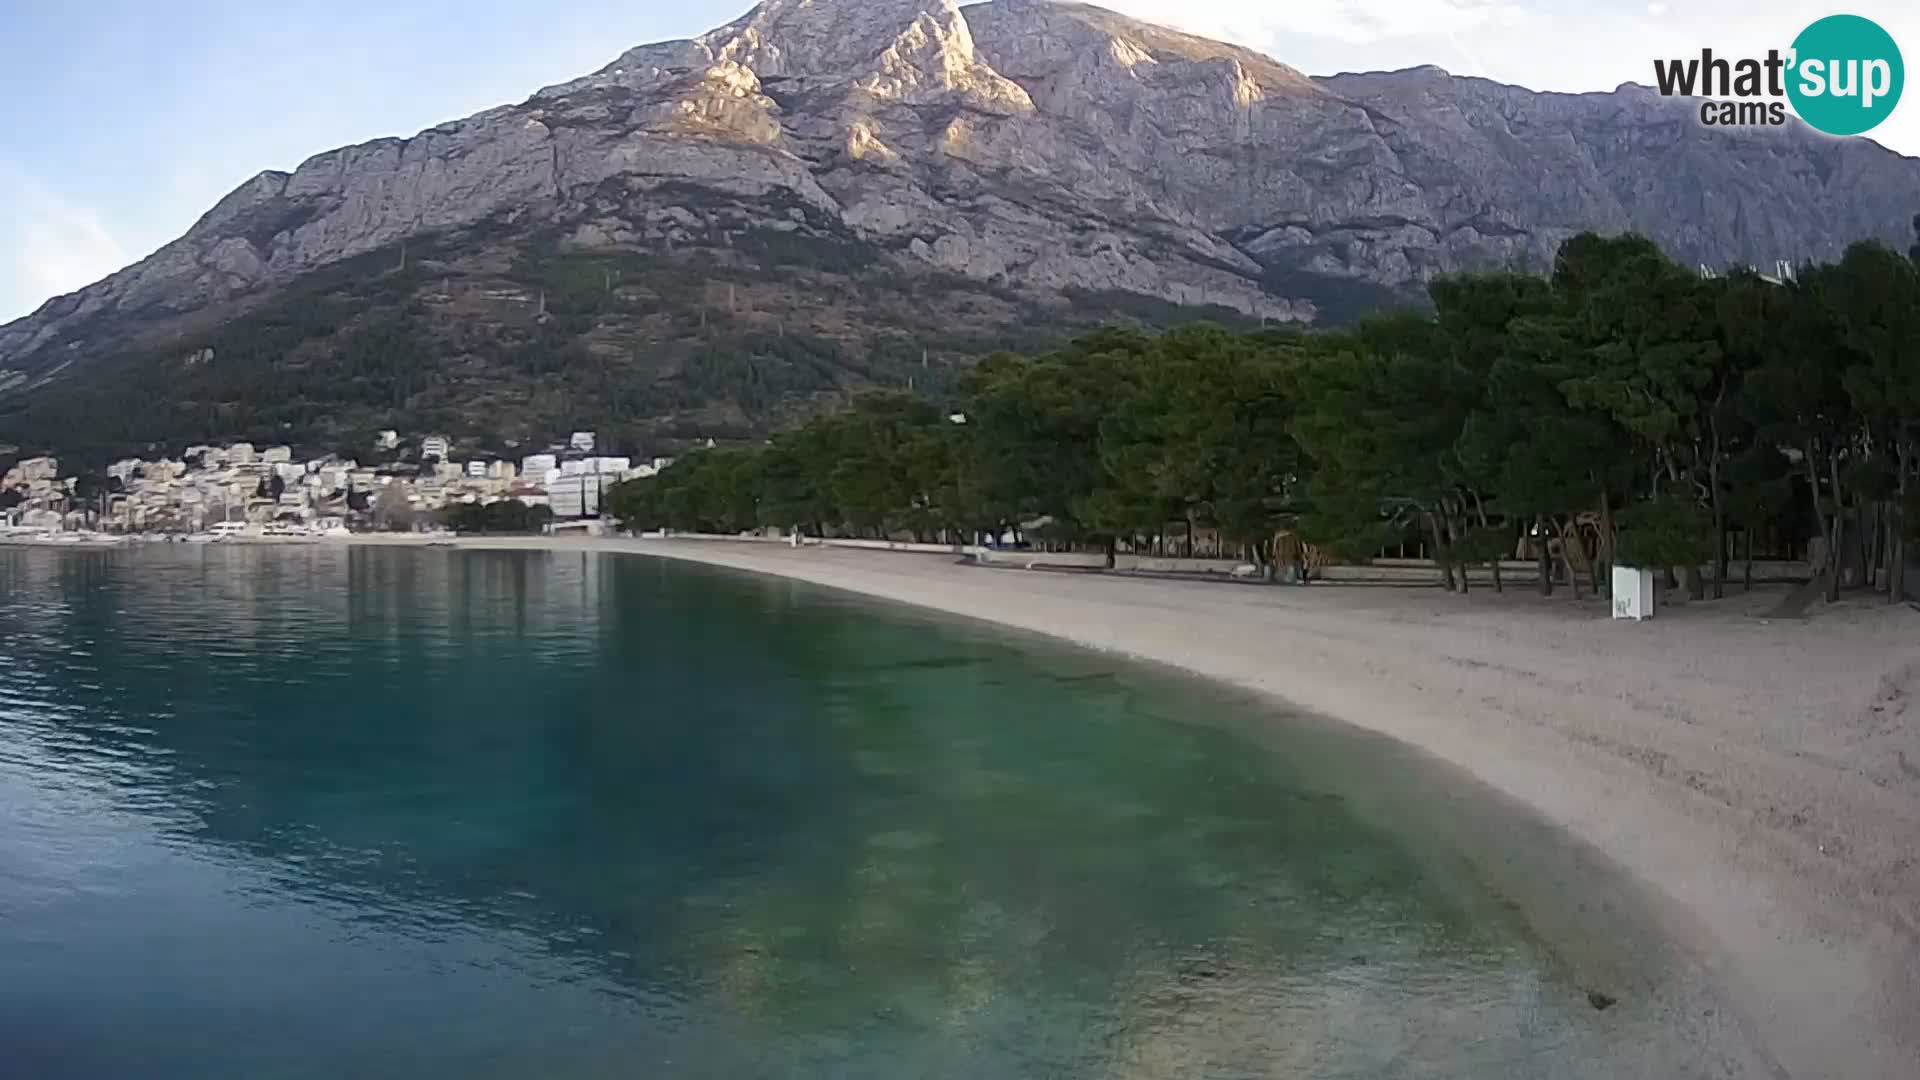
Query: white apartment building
[(583, 442), (278, 455), (32, 469), (596, 466), (435, 446), (538, 464), (576, 495)]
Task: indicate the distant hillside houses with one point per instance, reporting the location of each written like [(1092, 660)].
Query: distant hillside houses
[(239, 482)]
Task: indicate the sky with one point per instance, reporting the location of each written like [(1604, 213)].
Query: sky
[(129, 121)]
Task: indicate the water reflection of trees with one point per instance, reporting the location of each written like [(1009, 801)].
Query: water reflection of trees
[(843, 825)]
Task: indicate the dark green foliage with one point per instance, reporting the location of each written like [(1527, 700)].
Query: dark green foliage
[(773, 249), (1623, 408), (1339, 301), (1665, 531), (1202, 433), (1382, 408), (504, 516), (338, 346)]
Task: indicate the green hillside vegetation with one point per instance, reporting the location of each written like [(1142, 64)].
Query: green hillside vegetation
[(501, 339), (1625, 406)]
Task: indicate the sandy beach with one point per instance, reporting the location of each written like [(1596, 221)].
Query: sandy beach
[(1758, 779)]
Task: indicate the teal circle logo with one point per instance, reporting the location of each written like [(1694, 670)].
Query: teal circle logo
[(1846, 75)]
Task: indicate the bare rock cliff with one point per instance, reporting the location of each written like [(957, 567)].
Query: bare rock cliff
[(1027, 145)]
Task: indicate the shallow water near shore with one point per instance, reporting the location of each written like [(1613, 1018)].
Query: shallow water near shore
[(324, 811)]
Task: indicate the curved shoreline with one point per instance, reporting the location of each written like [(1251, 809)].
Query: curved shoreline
[(1760, 780)]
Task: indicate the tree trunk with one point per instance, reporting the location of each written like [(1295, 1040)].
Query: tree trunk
[(1113, 553), (1480, 510), (1839, 533), (1439, 551), (1897, 576), (1719, 510), (1603, 551), (1748, 585), (1453, 544), (1819, 508), (1720, 553), (1544, 554), (1876, 548)]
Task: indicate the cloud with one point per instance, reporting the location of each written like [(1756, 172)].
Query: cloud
[(48, 244)]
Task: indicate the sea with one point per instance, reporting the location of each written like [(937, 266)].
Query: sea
[(339, 811)]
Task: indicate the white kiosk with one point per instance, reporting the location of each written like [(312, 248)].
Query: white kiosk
[(1632, 592)]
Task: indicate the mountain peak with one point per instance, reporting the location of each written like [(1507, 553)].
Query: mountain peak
[(825, 38), (911, 51), (906, 50), (1042, 148)]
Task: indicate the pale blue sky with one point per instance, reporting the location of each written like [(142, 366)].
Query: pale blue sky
[(127, 119)]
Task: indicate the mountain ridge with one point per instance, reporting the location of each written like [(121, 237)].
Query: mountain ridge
[(1048, 149)]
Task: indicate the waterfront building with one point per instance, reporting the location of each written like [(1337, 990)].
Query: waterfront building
[(576, 495)]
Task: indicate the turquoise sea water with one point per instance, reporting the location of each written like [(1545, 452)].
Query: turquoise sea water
[(319, 812)]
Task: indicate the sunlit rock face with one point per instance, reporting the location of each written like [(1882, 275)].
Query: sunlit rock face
[(1035, 146)]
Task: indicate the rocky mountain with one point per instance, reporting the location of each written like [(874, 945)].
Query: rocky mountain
[(706, 234)]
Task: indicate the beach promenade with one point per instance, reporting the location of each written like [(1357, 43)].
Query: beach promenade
[(1758, 779)]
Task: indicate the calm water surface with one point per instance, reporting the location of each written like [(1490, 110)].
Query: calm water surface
[(321, 813)]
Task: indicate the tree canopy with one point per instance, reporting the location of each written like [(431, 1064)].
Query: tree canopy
[(1623, 407)]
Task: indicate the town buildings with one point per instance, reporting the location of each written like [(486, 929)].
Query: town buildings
[(240, 484)]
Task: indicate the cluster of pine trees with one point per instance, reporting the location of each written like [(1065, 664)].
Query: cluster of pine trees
[(1625, 408), (504, 516)]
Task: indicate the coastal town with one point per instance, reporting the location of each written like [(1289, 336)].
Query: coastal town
[(243, 491)]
